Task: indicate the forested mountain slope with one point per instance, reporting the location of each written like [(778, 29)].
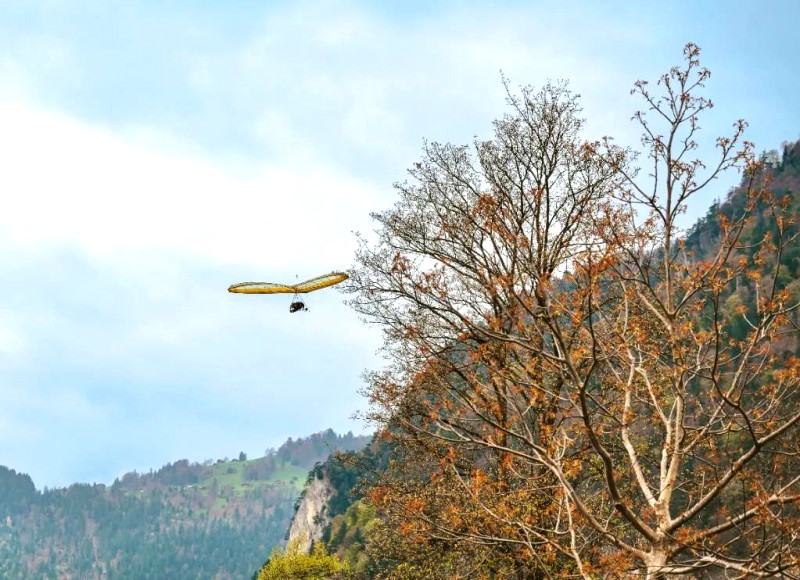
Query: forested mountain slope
[(185, 520)]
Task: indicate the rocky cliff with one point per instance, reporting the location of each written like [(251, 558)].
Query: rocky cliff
[(311, 516)]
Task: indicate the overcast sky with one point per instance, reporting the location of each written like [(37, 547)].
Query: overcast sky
[(153, 153)]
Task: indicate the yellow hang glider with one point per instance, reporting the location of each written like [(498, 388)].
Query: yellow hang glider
[(302, 288)]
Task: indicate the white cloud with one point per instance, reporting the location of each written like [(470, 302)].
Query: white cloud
[(70, 182), (336, 81), (13, 342), (36, 55)]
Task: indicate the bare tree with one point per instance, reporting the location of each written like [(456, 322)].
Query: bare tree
[(593, 395)]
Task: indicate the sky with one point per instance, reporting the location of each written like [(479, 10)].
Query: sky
[(153, 153)]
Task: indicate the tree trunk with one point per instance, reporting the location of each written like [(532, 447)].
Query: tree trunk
[(655, 562)]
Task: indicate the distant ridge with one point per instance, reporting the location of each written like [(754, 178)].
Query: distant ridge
[(212, 520)]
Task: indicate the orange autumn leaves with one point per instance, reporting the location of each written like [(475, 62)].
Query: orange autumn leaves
[(574, 385)]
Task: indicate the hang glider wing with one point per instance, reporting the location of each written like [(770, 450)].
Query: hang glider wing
[(321, 282), (302, 288), (261, 288)]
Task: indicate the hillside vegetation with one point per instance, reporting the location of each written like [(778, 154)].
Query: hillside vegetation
[(186, 520)]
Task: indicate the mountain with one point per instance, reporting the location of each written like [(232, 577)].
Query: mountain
[(331, 510), (186, 520)]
